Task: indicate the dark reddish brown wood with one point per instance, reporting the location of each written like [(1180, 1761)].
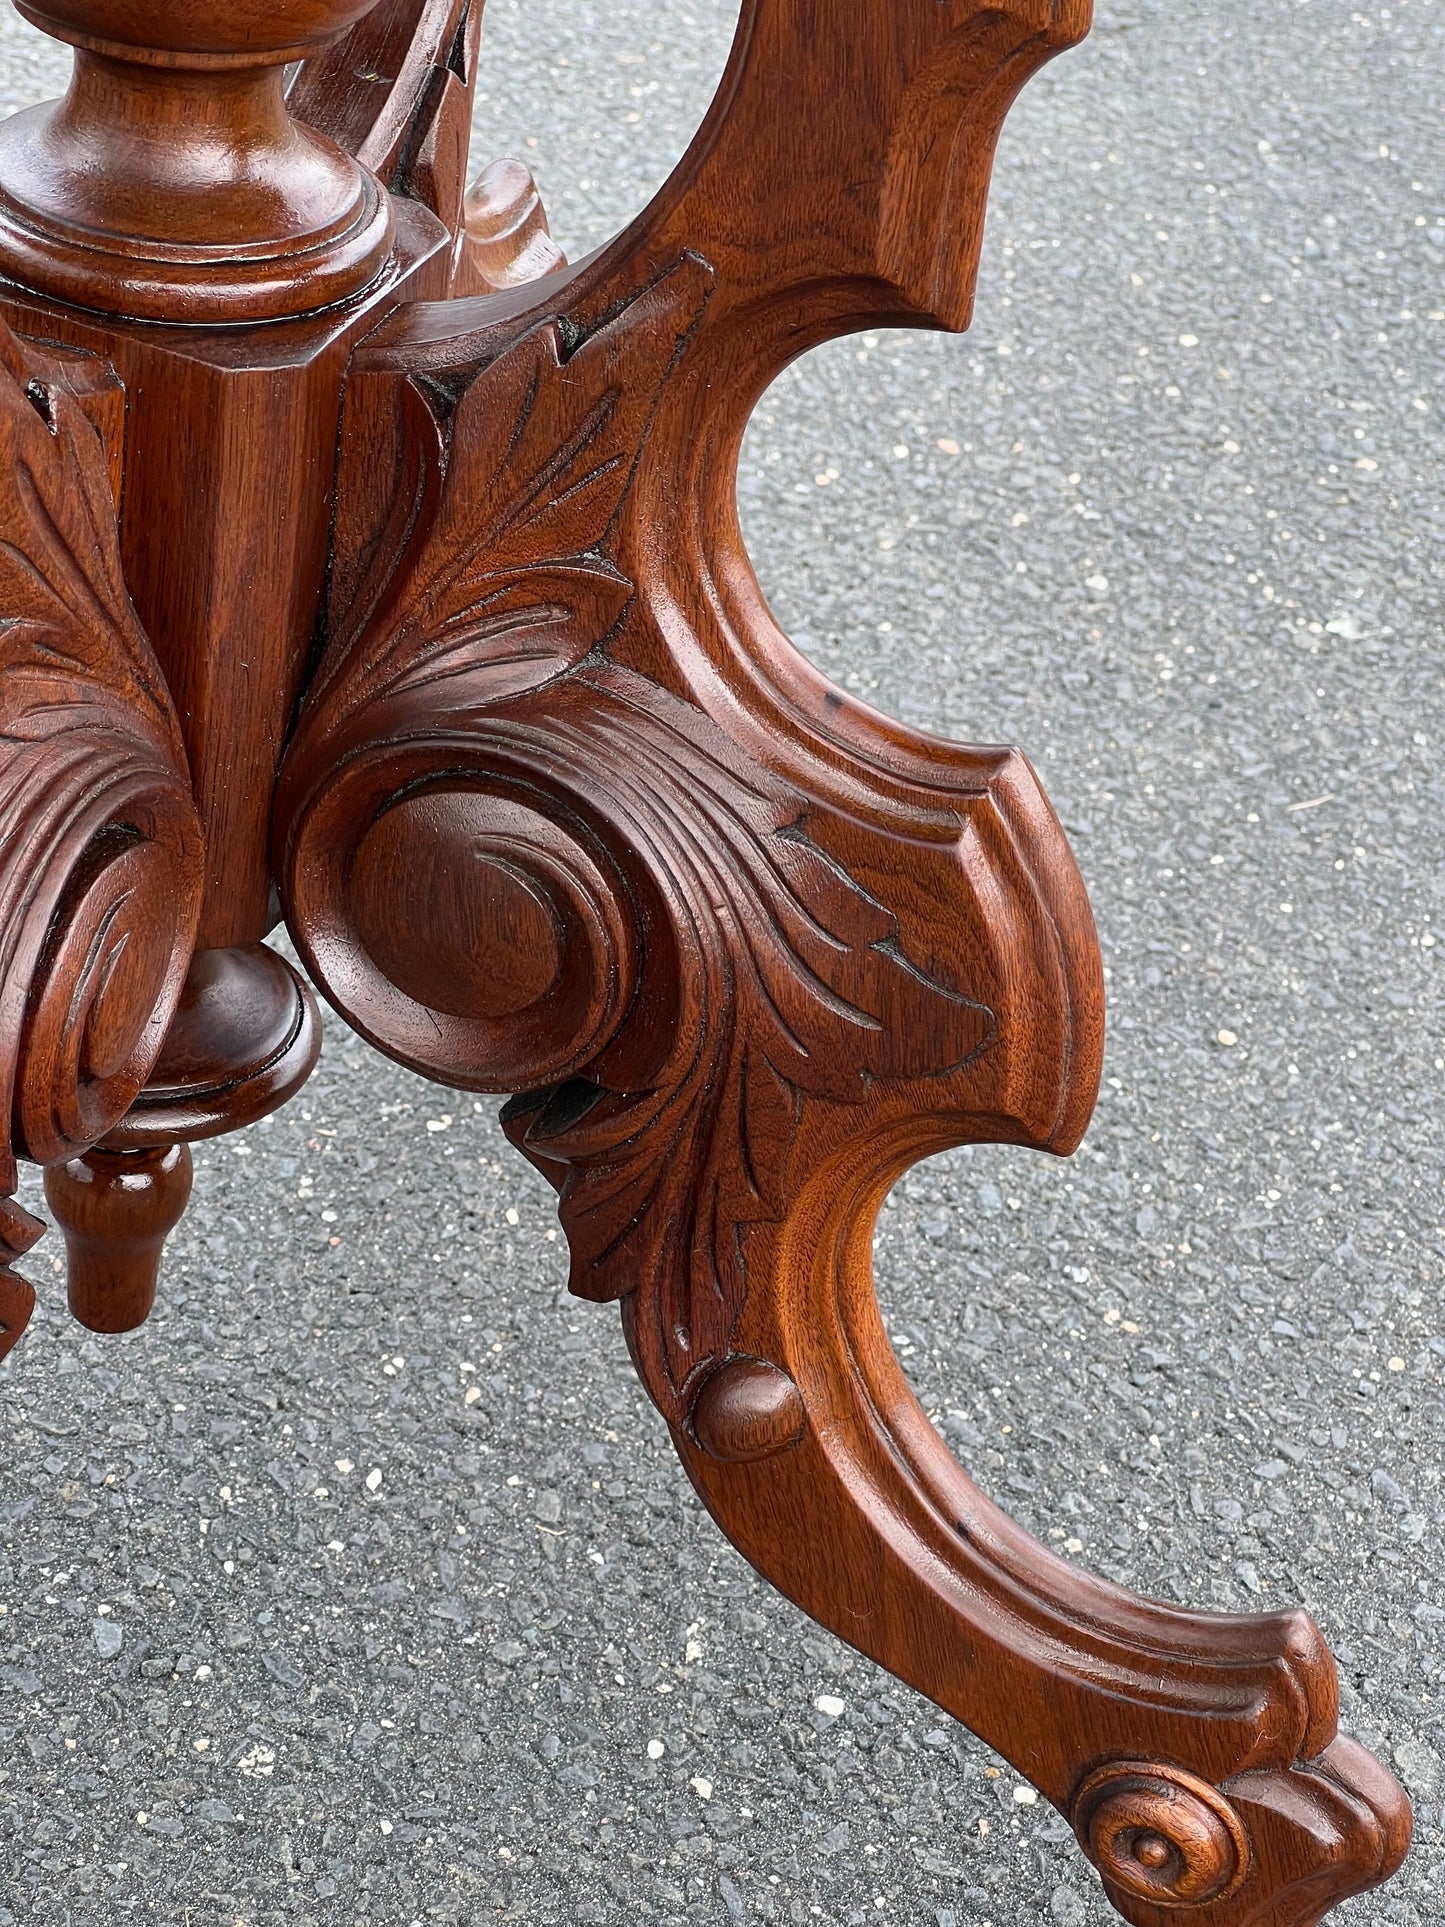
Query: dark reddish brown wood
[(100, 863), (463, 869), (397, 93), (846, 945), (117, 1208), (244, 1039), (505, 240), (18, 1232), (214, 204), (220, 446), (564, 814), (224, 536)]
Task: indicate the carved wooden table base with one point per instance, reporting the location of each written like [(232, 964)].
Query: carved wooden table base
[(357, 551)]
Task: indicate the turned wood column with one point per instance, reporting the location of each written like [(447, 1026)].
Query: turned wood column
[(171, 182)]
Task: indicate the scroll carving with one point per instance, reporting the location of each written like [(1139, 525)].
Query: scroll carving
[(737, 963), (1161, 1835), (567, 815), (100, 865)]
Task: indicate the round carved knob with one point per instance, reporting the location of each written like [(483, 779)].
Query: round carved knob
[(747, 1410), (1161, 1834)]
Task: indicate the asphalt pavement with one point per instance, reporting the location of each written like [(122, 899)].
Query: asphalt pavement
[(362, 1585)]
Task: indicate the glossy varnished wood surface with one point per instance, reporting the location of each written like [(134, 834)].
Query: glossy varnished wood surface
[(438, 620), (187, 106), (117, 1209)]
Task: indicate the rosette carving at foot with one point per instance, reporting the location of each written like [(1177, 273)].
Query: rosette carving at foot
[(100, 863), (566, 815)]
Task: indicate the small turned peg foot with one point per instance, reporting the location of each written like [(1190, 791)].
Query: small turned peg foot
[(116, 1209)]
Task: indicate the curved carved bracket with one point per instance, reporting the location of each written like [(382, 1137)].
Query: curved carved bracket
[(100, 870), (397, 93), (567, 815)]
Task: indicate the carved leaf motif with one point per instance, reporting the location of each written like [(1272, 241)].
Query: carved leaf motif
[(773, 979), (69, 638), (18, 1232), (99, 821), (510, 586), (808, 929), (795, 988)]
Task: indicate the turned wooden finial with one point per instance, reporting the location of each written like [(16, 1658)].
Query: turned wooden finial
[(116, 1209), (171, 183)]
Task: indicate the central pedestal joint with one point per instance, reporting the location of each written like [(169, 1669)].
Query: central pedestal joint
[(171, 183)]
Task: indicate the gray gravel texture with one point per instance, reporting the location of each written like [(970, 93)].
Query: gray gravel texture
[(362, 1585)]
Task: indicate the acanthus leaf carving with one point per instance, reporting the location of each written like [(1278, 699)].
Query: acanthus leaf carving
[(747, 950), (69, 636), (785, 985), (509, 583), (100, 869), (566, 815), (767, 976)]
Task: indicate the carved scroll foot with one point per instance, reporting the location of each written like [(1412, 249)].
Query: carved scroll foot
[(116, 1209), (1196, 1756)]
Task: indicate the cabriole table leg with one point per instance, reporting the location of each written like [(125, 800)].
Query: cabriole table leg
[(781, 947)]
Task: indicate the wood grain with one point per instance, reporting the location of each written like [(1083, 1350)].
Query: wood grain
[(209, 202), (100, 864), (815, 946), (219, 453), (116, 1209), (563, 813)]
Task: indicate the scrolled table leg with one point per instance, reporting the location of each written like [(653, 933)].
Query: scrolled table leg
[(566, 813)]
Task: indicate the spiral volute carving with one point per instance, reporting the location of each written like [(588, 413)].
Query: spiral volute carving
[(477, 927), (1161, 1834), (100, 940)]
